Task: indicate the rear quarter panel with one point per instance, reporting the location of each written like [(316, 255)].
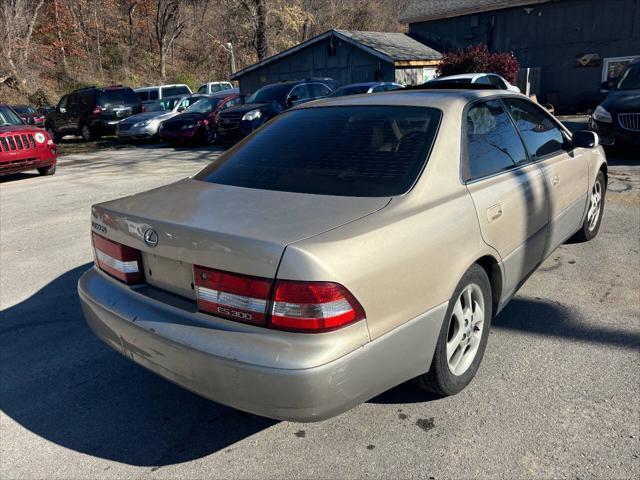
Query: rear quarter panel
[(407, 258)]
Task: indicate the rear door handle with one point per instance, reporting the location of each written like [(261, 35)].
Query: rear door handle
[(494, 212), (555, 180)]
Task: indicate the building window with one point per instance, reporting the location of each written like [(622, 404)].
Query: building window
[(614, 66)]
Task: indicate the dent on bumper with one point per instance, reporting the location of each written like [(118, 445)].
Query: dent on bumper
[(222, 364)]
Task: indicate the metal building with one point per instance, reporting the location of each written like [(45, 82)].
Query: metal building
[(568, 46), (347, 56)]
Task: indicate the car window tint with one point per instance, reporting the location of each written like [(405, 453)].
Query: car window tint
[(179, 90), (361, 151), (493, 145), (63, 102), (391, 88), (540, 134), (143, 96), (319, 90), (497, 81), (202, 89), (301, 91), (484, 80), (154, 95)]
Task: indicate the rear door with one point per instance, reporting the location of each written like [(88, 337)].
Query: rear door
[(508, 191), (566, 171)]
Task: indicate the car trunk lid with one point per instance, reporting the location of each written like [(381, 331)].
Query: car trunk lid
[(233, 229)]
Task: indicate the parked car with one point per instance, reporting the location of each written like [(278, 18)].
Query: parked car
[(237, 122), (479, 78), (617, 118), (347, 246), (24, 147), (214, 87), (92, 112), (47, 109), (145, 125), (30, 115), (197, 124), (151, 94), (368, 87)]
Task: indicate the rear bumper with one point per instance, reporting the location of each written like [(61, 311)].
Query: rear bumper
[(219, 360)]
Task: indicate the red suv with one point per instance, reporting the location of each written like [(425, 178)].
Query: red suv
[(24, 147)]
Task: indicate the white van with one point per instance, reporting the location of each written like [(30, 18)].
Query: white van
[(214, 87), (151, 94)]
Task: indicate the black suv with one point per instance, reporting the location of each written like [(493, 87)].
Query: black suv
[(237, 122), (92, 112)]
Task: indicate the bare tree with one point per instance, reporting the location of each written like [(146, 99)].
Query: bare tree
[(168, 28), (17, 20)]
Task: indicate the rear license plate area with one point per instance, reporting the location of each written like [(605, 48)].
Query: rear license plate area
[(167, 274)]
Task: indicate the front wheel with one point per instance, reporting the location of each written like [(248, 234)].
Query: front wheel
[(595, 210), (46, 171), (463, 336), (87, 134)]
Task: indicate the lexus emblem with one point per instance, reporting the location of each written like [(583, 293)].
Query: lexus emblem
[(151, 237)]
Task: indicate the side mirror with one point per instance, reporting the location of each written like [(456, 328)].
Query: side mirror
[(62, 110), (585, 139), (292, 99), (181, 109)]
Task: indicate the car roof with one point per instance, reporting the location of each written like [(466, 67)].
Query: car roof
[(441, 99), (141, 89)]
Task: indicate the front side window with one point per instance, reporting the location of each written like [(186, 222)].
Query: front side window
[(269, 93), (301, 91), (319, 90), (63, 102), (540, 134), (484, 80), (493, 145), (202, 89), (498, 82), (356, 151)]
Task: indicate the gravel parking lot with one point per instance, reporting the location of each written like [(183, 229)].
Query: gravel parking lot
[(556, 396)]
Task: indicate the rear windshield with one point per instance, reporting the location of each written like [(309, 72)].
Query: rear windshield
[(117, 96), (171, 91), (270, 93), (358, 151), (24, 109), (630, 79), (164, 105)]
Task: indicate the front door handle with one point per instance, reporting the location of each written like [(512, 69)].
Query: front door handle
[(555, 180), (494, 212)]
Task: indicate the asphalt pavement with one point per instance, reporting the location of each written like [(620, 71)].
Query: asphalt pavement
[(557, 395)]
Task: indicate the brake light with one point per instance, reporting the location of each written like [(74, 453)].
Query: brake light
[(313, 306), (119, 261), (96, 111), (233, 296), (142, 109)]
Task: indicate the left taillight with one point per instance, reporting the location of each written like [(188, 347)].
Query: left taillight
[(119, 261)]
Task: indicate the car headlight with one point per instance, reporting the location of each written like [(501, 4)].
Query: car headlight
[(252, 115), (188, 126), (39, 137), (601, 115)]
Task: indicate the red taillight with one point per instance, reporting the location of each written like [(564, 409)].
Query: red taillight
[(96, 111), (119, 261), (294, 306), (232, 296), (142, 109), (313, 306)]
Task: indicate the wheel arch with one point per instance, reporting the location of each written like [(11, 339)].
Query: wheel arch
[(494, 271)]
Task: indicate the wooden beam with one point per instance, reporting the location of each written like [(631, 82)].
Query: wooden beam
[(416, 63)]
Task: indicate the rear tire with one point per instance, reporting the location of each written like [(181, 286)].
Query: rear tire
[(595, 210), (46, 171), (463, 336), (86, 132)]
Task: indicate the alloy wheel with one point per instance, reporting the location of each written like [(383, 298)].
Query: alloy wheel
[(465, 329), (594, 207)]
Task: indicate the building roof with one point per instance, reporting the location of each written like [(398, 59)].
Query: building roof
[(389, 46), (427, 10)]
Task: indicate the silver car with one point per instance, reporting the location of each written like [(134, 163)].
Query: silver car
[(347, 246), (145, 125)]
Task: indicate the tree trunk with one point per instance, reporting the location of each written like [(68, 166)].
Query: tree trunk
[(261, 30), (32, 23), (63, 52)]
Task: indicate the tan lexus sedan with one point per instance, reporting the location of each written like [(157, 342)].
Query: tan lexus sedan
[(347, 246)]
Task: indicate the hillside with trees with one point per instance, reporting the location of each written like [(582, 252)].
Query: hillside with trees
[(49, 47)]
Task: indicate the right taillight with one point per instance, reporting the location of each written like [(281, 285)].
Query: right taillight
[(313, 306), (288, 305), (119, 261)]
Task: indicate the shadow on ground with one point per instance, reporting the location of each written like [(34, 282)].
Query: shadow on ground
[(60, 382)]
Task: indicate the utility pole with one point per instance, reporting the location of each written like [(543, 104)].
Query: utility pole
[(233, 57)]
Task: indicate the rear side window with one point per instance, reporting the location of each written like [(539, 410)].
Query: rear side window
[(171, 91), (361, 151), (143, 96), (319, 90), (493, 145), (540, 134), (117, 96)]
